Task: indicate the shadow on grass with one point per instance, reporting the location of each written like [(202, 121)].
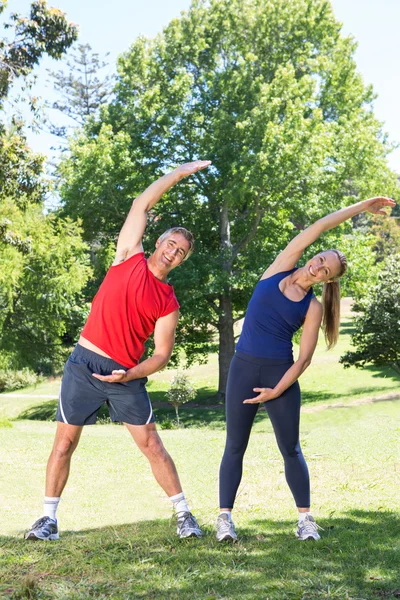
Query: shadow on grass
[(190, 416), (46, 411), (357, 558), (347, 329)]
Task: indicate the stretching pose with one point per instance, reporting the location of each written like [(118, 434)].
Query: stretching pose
[(282, 302), (133, 301)]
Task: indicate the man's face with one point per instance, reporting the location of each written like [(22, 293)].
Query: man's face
[(172, 251)]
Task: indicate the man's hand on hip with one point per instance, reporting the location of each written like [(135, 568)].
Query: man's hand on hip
[(117, 376)]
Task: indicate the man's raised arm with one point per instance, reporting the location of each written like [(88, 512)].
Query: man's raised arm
[(130, 237)]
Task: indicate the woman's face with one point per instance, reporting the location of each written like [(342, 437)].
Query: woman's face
[(323, 267)]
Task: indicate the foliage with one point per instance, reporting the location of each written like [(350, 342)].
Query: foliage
[(180, 391), (40, 289), (269, 92), (45, 31), (43, 261), (81, 91), (387, 236), (377, 327), (17, 380)]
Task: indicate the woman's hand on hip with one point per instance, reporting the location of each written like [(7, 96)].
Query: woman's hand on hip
[(264, 395)]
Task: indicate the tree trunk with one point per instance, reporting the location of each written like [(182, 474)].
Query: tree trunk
[(225, 320), (226, 343)]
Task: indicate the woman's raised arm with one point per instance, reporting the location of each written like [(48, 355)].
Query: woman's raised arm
[(288, 258)]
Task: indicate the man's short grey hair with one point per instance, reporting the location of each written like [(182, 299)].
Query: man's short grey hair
[(188, 235)]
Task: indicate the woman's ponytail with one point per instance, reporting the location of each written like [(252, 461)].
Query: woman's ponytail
[(331, 304)]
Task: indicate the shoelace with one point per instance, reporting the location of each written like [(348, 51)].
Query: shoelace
[(309, 526), (187, 521), (40, 522), (224, 526)]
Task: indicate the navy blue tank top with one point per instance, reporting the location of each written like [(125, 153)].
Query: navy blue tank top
[(272, 319)]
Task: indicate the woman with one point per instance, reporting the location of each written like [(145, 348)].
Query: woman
[(282, 302)]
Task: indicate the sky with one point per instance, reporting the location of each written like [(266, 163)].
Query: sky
[(113, 26)]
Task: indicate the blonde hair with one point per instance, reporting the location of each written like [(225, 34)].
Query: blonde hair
[(188, 235), (331, 303)]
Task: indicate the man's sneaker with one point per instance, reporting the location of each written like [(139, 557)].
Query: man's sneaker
[(225, 529), (44, 528), (188, 526), (307, 529)]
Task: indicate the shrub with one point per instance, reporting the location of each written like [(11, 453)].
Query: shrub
[(377, 327), (181, 390), (15, 380)]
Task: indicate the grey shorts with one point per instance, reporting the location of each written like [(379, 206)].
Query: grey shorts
[(82, 395)]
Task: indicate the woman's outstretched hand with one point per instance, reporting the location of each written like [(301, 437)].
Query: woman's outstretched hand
[(264, 395), (375, 205)]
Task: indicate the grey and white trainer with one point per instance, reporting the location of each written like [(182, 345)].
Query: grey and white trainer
[(307, 529), (188, 526), (44, 528), (225, 529)]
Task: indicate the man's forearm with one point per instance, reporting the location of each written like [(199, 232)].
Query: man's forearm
[(147, 367), (153, 193)]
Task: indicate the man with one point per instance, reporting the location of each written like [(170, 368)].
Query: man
[(133, 301)]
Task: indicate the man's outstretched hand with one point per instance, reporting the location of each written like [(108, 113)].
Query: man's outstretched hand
[(192, 167)]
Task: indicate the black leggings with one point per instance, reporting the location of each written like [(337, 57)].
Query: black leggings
[(245, 373)]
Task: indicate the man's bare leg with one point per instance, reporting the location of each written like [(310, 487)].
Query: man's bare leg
[(164, 470), (162, 465), (58, 465)]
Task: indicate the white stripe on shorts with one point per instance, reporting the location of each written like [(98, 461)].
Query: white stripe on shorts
[(151, 413), (62, 411)]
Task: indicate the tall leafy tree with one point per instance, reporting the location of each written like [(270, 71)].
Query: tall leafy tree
[(82, 89), (269, 91), (43, 261)]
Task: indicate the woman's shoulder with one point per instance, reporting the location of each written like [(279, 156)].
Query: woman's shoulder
[(270, 273)]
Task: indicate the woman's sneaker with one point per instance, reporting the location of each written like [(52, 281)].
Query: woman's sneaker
[(44, 528), (225, 529), (307, 529), (188, 526)]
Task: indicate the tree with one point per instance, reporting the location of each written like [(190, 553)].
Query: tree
[(81, 91), (43, 261), (270, 93), (377, 327), (180, 391), (46, 31)]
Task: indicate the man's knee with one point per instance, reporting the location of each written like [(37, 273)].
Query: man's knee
[(65, 443), (63, 449), (153, 447)]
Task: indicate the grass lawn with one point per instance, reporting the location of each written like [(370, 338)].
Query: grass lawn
[(118, 537)]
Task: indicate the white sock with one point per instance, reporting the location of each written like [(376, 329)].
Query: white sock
[(303, 515), (227, 512), (50, 507), (179, 502)]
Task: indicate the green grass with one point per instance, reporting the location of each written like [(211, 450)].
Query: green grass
[(118, 539), (117, 533)]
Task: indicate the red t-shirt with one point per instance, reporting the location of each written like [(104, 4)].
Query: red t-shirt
[(125, 310)]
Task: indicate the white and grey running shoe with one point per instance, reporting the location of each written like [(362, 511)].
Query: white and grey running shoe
[(225, 529), (187, 526), (307, 530), (44, 528)]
